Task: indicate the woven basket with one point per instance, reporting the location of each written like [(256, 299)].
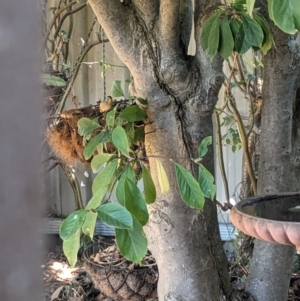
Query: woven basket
[(118, 278)]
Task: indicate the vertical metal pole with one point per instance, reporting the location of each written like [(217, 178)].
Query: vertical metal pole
[(20, 151)]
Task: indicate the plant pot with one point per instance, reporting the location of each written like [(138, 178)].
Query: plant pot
[(272, 218), (118, 278)]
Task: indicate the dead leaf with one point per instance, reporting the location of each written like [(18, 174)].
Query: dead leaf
[(76, 298), (56, 294)]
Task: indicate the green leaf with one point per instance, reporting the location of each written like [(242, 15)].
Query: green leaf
[(96, 200), (116, 90), (270, 9), (132, 243), (235, 27), (206, 183), (128, 173), (99, 160), (93, 143), (283, 13), (253, 32), (239, 5), (226, 43), (72, 224), (129, 129), (110, 118), (250, 6), (295, 7), (133, 113), (242, 45), (115, 215), (206, 29), (203, 148), (71, 247), (119, 139), (86, 126), (214, 38), (89, 224), (189, 188), (233, 148), (139, 134), (104, 176), (162, 177), (149, 187), (51, 80), (135, 202)]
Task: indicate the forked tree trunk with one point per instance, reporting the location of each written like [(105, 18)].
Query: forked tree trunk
[(279, 162), (152, 37)]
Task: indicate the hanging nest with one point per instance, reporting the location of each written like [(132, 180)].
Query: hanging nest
[(118, 278), (63, 138)]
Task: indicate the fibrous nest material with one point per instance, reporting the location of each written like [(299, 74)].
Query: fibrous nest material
[(118, 278), (63, 138)]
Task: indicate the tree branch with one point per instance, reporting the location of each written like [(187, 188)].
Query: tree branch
[(149, 10), (169, 23), (115, 17)]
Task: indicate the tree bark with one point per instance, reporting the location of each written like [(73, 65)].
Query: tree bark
[(279, 163), (181, 93)]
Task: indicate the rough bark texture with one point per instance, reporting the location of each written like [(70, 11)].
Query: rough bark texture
[(151, 37), (279, 163)]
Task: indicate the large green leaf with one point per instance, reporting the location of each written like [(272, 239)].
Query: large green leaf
[(89, 224), (135, 202), (128, 173), (235, 27), (206, 29), (72, 224), (203, 148), (96, 200), (226, 44), (86, 126), (99, 160), (120, 140), (162, 177), (149, 187), (250, 6), (214, 38), (129, 129), (206, 182), (283, 13), (295, 7), (242, 45), (133, 113), (268, 36), (115, 215), (110, 118), (116, 90), (132, 243), (93, 143), (52, 80), (105, 176), (253, 32), (189, 188), (71, 246)]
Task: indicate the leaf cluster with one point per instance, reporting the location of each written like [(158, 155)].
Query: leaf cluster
[(236, 28), (114, 150)]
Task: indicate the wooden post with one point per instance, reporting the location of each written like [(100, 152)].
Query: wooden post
[(20, 151)]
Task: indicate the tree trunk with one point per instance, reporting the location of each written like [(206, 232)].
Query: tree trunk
[(279, 163), (151, 37)]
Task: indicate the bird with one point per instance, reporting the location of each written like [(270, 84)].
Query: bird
[(106, 105)]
